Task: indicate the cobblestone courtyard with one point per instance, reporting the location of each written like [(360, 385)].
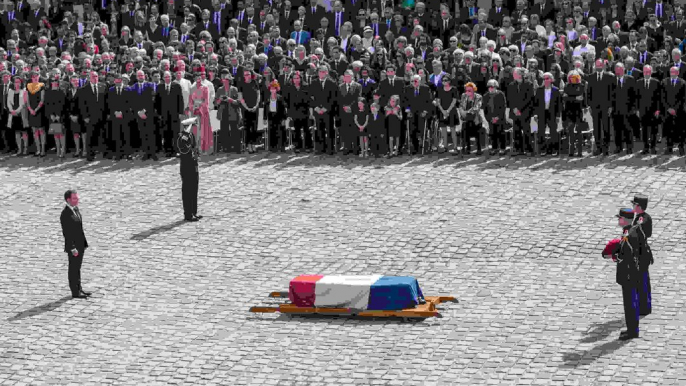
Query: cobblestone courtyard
[(516, 241)]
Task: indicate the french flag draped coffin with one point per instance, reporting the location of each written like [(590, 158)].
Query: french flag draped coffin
[(374, 292)]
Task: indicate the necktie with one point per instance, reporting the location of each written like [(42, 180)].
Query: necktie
[(347, 89), (262, 26), (95, 91), (646, 83), (376, 29), (297, 37), (323, 85), (338, 22), (392, 80), (168, 89), (483, 33), (416, 92), (659, 10), (76, 210), (131, 13), (498, 10), (445, 24), (388, 23), (600, 76)]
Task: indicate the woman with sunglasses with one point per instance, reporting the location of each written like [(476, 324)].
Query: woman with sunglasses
[(446, 100), (470, 114)]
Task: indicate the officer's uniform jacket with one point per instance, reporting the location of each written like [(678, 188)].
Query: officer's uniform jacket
[(644, 226), (186, 146), (628, 257)]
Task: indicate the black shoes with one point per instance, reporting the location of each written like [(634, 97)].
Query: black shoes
[(191, 219), (625, 335), (80, 296), (196, 216), (645, 313)]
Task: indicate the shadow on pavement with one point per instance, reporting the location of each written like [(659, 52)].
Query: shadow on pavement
[(288, 159), (39, 309), (156, 230), (574, 359), (600, 331)]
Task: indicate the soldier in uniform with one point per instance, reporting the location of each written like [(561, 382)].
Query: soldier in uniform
[(644, 224), (188, 152), (627, 258)]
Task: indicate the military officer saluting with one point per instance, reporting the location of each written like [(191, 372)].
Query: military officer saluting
[(190, 178), (644, 223), (627, 257)]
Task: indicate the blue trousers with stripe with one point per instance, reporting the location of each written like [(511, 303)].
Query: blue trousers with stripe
[(644, 295), (631, 314)]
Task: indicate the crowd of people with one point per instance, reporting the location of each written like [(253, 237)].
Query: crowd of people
[(369, 77)]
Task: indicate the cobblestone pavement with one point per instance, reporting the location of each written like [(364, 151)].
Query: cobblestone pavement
[(517, 241)]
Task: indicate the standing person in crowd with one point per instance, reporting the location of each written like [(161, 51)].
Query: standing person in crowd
[(298, 104), (34, 101), (418, 103), (649, 106), (377, 132), (673, 99), (644, 224), (548, 113), (143, 108), (4, 111), (72, 107), (170, 108), (348, 92), (119, 109), (361, 120), (249, 97), (574, 98), (198, 106), (92, 104), (228, 114), (18, 120), (623, 107), (394, 119), (325, 97), (520, 95), (600, 91), (470, 106), (446, 101), (55, 103), (495, 106), (276, 115)]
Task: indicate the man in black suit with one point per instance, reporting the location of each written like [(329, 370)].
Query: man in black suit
[(649, 101), (520, 95), (4, 113), (390, 86), (129, 18), (446, 26), (75, 242), (623, 109), (143, 106), (673, 95), (118, 109), (418, 104), (348, 93), (324, 93), (600, 90), (170, 107), (497, 13), (548, 111), (93, 104)]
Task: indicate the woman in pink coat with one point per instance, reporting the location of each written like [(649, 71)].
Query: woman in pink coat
[(199, 106)]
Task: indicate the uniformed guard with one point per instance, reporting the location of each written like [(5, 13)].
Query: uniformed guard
[(190, 177), (644, 223), (628, 272)]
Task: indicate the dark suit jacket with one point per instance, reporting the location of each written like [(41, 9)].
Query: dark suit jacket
[(419, 103), (385, 90), (171, 104), (91, 106), (496, 19), (521, 99), (348, 99), (72, 229), (555, 105), (600, 92), (499, 106), (280, 113), (673, 96), (624, 97), (649, 99), (119, 103), (324, 96), (142, 98)]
